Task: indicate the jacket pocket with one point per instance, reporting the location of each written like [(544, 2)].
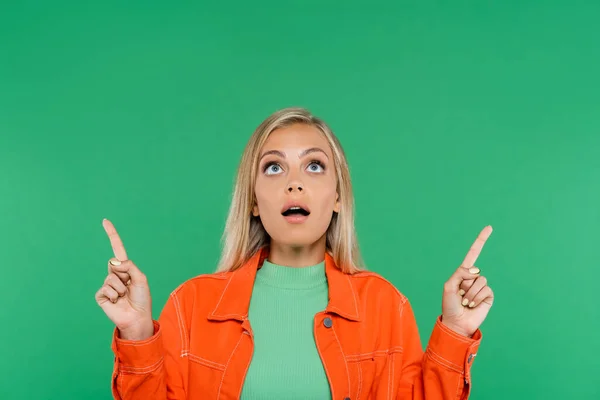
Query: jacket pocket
[(405, 391), (365, 371), (204, 377)]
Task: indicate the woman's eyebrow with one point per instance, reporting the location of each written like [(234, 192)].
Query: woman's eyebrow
[(312, 150), (302, 154), (275, 152)]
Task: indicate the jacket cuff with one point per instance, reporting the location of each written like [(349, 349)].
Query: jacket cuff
[(138, 356), (452, 350)]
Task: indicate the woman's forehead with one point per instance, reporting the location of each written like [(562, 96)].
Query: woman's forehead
[(296, 137)]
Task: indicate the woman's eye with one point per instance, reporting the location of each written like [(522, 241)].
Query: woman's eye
[(272, 169), (315, 167)]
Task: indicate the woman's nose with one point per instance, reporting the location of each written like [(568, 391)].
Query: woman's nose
[(294, 187)]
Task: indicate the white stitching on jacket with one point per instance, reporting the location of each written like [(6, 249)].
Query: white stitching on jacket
[(182, 333), (227, 365)]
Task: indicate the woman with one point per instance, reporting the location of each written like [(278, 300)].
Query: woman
[(290, 313)]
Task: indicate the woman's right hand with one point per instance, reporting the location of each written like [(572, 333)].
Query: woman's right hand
[(125, 295)]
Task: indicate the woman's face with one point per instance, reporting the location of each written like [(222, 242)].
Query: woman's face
[(296, 169)]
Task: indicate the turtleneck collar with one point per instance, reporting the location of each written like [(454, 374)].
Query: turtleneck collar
[(292, 277)]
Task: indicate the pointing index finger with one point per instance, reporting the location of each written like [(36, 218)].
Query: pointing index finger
[(115, 240), (473, 253)]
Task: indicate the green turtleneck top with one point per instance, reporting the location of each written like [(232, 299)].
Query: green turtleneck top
[(285, 363)]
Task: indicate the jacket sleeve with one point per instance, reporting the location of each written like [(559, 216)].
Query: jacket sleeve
[(443, 371), (152, 369)]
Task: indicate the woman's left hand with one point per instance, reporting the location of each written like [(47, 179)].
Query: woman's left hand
[(467, 298)]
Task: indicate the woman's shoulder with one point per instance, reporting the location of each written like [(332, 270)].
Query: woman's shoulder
[(372, 284), (204, 283)]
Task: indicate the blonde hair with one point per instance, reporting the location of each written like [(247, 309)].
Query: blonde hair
[(244, 234)]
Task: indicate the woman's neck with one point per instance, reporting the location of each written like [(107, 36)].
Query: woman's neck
[(297, 256)]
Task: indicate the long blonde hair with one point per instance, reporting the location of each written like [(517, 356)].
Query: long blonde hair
[(244, 234)]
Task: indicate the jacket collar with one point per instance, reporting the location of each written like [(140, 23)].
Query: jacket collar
[(235, 298)]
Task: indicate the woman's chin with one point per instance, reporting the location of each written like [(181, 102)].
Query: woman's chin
[(296, 242)]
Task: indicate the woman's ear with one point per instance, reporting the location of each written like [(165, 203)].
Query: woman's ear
[(255, 210), (337, 205)]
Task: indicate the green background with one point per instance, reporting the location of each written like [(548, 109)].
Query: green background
[(453, 115)]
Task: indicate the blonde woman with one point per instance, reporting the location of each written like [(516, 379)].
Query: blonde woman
[(290, 313)]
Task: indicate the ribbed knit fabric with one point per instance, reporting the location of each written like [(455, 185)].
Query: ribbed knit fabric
[(285, 363)]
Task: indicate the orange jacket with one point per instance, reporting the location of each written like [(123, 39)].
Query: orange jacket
[(367, 338)]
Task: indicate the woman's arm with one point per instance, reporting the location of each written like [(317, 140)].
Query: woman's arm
[(443, 370), (152, 368)]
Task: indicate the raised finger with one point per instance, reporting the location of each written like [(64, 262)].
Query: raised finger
[(475, 249), (115, 240)]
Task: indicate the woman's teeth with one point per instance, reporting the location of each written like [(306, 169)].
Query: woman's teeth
[(295, 210)]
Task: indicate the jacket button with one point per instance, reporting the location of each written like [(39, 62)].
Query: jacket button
[(328, 322), (470, 358)]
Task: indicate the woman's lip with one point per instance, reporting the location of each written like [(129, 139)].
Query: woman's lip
[(291, 204), (295, 218)]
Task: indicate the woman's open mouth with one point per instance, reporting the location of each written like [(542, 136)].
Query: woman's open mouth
[(295, 215)]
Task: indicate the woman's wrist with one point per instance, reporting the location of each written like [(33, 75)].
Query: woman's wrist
[(143, 331), (456, 329)]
